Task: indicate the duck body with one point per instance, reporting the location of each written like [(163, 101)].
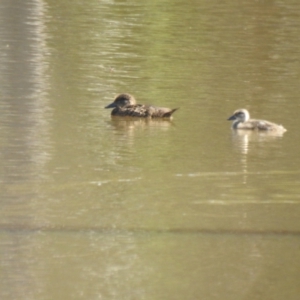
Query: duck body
[(125, 105), (241, 120)]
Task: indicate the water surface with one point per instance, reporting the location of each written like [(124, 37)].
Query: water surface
[(100, 208)]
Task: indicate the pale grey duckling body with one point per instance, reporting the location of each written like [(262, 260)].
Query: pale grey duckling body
[(125, 105), (241, 120)]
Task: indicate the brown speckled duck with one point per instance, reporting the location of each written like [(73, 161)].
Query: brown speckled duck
[(241, 120), (125, 105)]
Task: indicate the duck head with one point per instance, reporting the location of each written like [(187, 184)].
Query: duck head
[(240, 115), (122, 100)]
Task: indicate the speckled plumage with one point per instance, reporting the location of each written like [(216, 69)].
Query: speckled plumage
[(241, 120), (125, 105)]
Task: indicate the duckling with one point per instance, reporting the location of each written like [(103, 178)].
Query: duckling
[(125, 105), (241, 120)]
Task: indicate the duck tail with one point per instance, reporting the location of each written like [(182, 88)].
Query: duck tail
[(169, 113)]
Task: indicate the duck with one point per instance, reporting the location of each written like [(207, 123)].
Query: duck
[(125, 105), (241, 120)]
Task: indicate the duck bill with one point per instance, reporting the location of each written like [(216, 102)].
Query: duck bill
[(231, 118), (112, 105)]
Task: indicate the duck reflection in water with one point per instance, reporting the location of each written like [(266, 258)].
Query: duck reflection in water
[(242, 138), (241, 120), (129, 130), (125, 105)]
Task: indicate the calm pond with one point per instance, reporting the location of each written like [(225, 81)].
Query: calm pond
[(94, 207)]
